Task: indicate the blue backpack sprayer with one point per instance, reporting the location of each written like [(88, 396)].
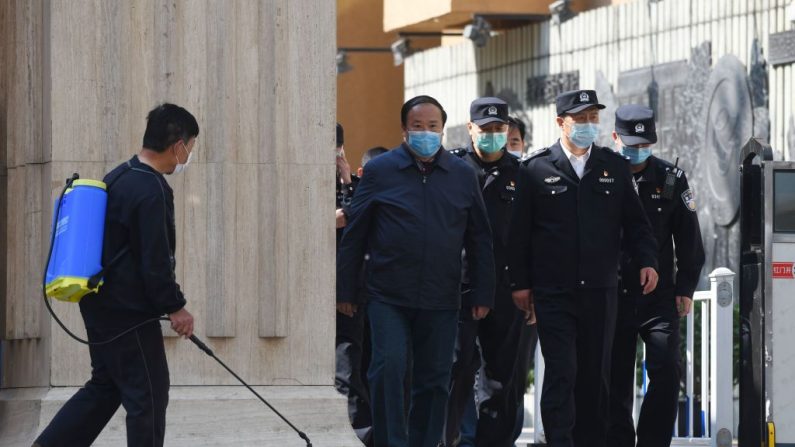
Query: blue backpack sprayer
[(74, 261)]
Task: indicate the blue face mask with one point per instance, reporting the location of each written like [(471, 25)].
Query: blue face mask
[(636, 154), (583, 135), (492, 142), (424, 143)]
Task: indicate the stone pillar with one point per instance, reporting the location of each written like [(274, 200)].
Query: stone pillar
[(255, 247)]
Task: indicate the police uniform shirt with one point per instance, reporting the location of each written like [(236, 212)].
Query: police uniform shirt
[(566, 231), (142, 284), (676, 229), (578, 162)]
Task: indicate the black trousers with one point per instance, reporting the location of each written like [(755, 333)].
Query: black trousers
[(655, 319), (131, 372), (575, 330), (352, 361), (500, 336), (525, 361)]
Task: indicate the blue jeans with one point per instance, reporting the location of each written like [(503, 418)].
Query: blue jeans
[(427, 337)]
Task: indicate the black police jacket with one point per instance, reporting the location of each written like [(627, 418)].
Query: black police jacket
[(142, 284), (567, 232), (498, 186), (676, 228), (414, 224)]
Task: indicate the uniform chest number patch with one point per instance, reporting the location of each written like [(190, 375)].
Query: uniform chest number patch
[(689, 200)]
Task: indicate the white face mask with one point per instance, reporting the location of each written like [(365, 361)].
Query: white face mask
[(517, 153), (182, 166)]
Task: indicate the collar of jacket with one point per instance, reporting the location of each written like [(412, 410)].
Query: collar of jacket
[(650, 173), (135, 162), (505, 160), (564, 165), (406, 159)]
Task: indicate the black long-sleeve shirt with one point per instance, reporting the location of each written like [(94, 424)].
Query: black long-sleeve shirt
[(142, 283)]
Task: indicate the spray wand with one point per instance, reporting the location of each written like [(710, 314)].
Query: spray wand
[(192, 338), (210, 352)]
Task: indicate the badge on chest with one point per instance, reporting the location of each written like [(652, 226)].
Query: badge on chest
[(552, 179), (605, 178)]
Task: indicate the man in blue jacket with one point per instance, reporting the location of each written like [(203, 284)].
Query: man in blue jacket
[(415, 209)]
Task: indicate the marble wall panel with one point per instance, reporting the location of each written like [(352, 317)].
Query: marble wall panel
[(307, 92), (24, 83), (5, 48), (15, 233), (222, 259), (25, 255), (26, 363), (255, 251), (272, 300)]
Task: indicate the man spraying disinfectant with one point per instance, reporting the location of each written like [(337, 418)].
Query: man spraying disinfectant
[(112, 250), (139, 242)]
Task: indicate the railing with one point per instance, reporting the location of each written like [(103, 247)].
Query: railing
[(717, 322)]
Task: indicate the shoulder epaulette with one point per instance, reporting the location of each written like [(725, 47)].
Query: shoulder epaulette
[(535, 154), (678, 172)]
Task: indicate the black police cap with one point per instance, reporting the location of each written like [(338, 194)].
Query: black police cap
[(487, 110), (576, 101), (635, 124)]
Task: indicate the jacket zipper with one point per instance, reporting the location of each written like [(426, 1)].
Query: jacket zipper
[(424, 234)]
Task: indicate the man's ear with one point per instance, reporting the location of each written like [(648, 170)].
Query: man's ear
[(359, 172), (559, 120), (174, 146)]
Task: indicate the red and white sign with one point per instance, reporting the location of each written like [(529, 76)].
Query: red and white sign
[(783, 270)]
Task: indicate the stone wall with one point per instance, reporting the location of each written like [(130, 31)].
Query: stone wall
[(255, 248), (255, 262)]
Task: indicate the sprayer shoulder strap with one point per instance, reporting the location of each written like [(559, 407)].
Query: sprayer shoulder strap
[(94, 280)]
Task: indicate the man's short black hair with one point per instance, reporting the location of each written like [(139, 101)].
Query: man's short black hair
[(372, 153), (166, 124), (417, 100), (516, 123), (340, 135)]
